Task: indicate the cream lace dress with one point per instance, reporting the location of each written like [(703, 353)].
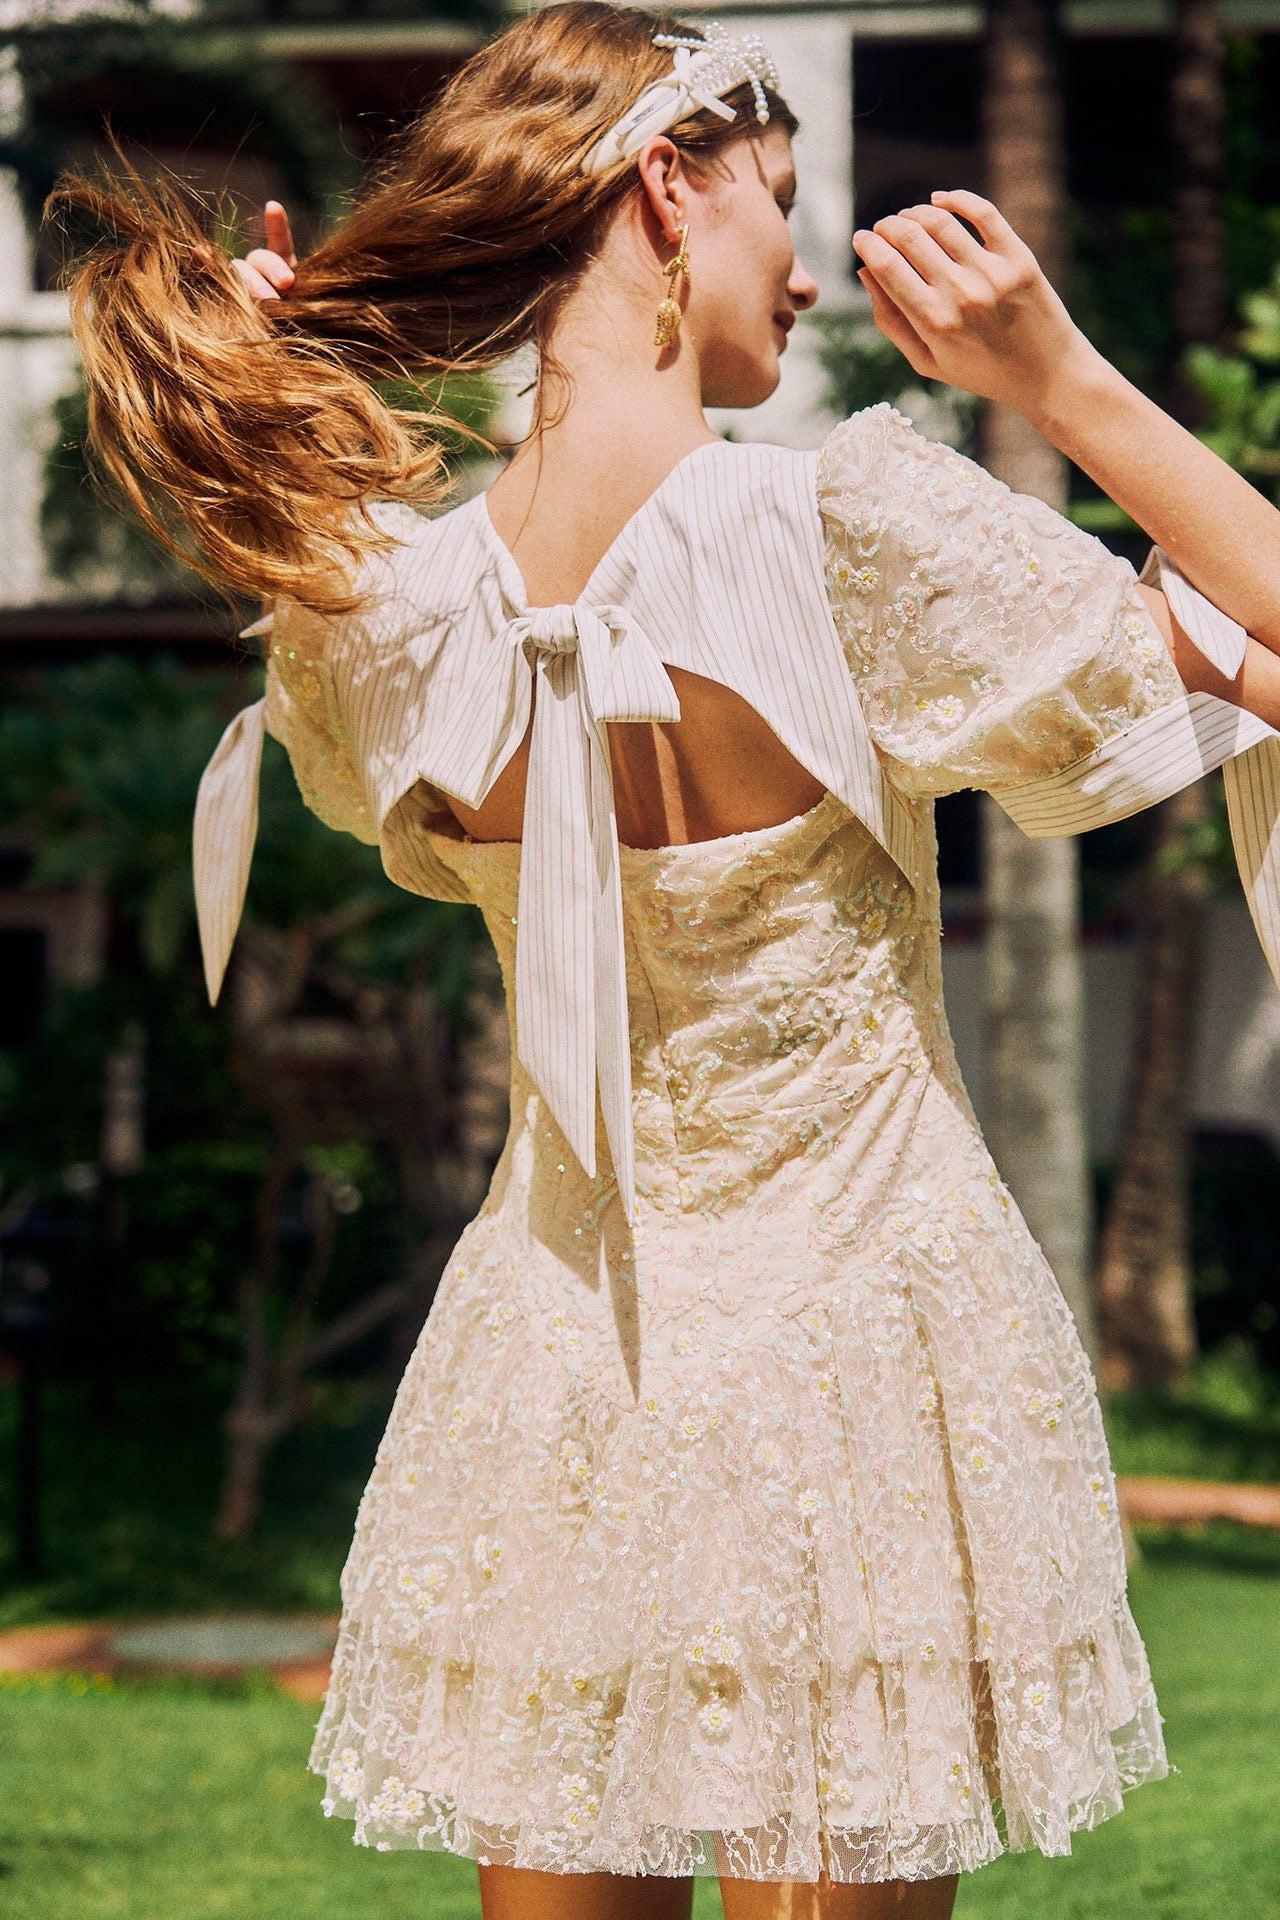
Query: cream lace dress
[(773, 1526)]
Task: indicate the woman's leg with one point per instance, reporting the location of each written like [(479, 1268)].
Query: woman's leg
[(839, 1899), (524, 1893)]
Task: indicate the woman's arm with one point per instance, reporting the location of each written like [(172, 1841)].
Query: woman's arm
[(1216, 528), (1256, 686), (981, 315)]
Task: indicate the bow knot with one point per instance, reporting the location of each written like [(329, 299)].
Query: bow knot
[(549, 629), (593, 665), (687, 66)]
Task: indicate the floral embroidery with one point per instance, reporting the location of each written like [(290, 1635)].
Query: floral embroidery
[(999, 669), (715, 1719), (670, 1506), (486, 1553)]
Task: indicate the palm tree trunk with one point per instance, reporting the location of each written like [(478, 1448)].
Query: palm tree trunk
[(1146, 1324), (1035, 1000), (1144, 1278)]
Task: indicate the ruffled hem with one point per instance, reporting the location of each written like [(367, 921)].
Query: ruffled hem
[(859, 1587), (1037, 1756)]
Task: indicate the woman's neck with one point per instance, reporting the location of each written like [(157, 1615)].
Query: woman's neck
[(611, 412)]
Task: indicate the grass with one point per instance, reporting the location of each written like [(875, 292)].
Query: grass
[(127, 1507), (187, 1801), (1224, 1426), (183, 1801), (1200, 1844)]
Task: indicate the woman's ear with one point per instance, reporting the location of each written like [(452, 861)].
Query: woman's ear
[(664, 182)]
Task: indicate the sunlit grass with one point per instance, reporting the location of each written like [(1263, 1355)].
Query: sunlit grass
[(180, 1802)]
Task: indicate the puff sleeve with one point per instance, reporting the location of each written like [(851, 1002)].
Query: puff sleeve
[(996, 645), (991, 640), (310, 662), (303, 712)]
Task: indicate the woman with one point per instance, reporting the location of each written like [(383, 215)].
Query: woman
[(745, 1505)]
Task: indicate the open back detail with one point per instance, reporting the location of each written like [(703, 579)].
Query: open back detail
[(745, 1505)]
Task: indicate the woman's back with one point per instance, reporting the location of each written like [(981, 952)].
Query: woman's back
[(720, 769), (699, 1518)]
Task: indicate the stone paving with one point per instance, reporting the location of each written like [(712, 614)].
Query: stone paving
[(294, 1648)]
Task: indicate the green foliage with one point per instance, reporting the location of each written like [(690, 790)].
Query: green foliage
[(89, 543), (99, 766), (223, 91), (132, 1537), (863, 368), (1121, 291), (102, 762), (233, 99), (1243, 391)]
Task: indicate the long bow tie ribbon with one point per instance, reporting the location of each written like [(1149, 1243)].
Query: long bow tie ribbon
[(591, 665), (1214, 633)]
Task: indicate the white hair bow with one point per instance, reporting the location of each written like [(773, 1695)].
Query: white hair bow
[(702, 70)]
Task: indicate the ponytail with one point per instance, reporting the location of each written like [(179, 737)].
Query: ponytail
[(246, 435), (242, 446)]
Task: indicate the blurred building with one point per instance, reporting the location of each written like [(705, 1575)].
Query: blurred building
[(887, 93)]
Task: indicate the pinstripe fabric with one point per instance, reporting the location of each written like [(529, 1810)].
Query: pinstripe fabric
[(593, 665), (1253, 808), (1251, 775), (1166, 751), (226, 825), (1219, 638), (428, 691), (1158, 756)]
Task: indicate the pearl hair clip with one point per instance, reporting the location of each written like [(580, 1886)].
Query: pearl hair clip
[(704, 67)]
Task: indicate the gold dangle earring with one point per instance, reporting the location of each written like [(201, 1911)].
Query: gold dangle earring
[(668, 323)]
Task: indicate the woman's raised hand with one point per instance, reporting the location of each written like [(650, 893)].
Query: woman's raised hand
[(268, 271), (979, 315)]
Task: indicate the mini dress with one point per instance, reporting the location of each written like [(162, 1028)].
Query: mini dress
[(745, 1506)]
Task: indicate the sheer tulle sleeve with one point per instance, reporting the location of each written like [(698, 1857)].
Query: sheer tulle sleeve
[(991, 640)]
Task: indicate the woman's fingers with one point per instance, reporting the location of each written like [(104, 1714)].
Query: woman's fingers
[(982, 317), (900, 279), (991, 224), (896, 328), (913, 238), (279, 236), (273, 268), (269, 271), (255, 280), (954, 239)]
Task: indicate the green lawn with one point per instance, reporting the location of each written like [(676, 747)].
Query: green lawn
[(178, 1802)]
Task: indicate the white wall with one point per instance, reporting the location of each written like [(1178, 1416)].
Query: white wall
[(36, 364)]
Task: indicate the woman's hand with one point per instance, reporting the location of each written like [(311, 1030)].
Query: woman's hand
[(981, 316), (268, 271)]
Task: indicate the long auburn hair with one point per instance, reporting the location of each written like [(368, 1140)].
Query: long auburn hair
[(246, 435)]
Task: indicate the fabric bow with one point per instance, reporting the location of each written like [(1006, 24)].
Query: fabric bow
[(687, 66), (688, 86), (590, 665)]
